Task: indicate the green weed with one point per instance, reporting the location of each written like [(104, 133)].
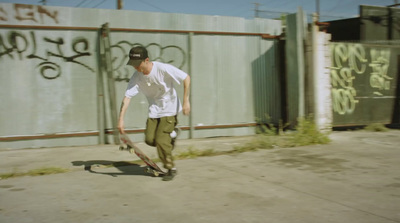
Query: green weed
[(376, 127), (35, 172), (307, 133), (269, 137), (193, 153)]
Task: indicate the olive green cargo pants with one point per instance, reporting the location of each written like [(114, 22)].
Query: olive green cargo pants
[(158, 134)]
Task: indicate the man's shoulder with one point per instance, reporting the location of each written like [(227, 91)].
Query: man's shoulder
[(169, 71), (163, 68), (135, 75), (161, 65)]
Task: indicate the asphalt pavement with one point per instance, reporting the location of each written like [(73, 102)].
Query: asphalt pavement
[(355, 178)]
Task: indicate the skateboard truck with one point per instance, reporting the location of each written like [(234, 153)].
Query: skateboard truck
[(128, 148), (148, 169)]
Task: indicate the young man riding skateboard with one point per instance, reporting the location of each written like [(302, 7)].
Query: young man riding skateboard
[(156, 81)]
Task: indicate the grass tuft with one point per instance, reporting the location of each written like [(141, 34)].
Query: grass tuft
[(306, 133), (376, 127), (193, 153), (35, 172)]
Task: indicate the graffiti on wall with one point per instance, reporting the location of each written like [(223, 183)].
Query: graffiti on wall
[(171, 54), (355, 61), (20, 45), (3, 15), (24, 46), (379, 79), (35, 13)]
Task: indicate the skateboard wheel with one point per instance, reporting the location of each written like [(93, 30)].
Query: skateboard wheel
[(152, 172), (121, 148)]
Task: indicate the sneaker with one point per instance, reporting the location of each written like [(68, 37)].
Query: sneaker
[(170, 175)]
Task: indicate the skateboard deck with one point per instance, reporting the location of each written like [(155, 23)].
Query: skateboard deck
[(152, 167)]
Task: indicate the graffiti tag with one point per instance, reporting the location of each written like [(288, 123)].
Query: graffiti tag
[(379, 79), (3, 15), (16, 43), (35, 13), (346, 60), (169, 54)]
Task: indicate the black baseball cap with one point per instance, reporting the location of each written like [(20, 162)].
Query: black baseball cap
[(137, 55)]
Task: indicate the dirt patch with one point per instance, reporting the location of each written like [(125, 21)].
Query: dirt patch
[(307, 161)]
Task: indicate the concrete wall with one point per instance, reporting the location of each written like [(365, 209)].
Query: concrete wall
[(323, 85), (319, 88), (49, 69)]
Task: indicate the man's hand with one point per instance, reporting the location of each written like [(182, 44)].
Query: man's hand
[(186, 101), (186, 108)]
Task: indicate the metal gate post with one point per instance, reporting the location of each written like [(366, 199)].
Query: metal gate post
[(110, 82)]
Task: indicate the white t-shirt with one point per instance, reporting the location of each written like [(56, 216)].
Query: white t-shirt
[(158, 87)]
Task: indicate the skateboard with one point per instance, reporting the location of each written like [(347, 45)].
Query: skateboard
[(152, 167)]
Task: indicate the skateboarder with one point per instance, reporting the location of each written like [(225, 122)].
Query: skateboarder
[(156, 81)]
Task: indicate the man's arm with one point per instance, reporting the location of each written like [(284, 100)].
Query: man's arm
[(186, 92), (124, 108)]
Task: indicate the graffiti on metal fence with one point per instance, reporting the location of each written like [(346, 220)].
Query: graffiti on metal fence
[(354, 61), (49, 53), (171, 54), (35, 13), (3, 15), (347, 61), (379, 79), (25, 46)]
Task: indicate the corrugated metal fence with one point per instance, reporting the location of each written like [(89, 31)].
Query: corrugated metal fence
[(50, 68)]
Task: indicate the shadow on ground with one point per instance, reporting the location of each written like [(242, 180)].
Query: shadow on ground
[(123, 167)]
